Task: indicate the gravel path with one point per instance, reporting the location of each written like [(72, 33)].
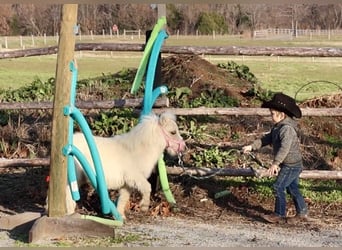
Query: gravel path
[(178, 232)]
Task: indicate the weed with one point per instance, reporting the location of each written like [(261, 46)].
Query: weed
[(116, 121), (213, 157), (241, 71)]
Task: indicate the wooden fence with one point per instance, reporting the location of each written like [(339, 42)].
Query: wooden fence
[(160, 106)]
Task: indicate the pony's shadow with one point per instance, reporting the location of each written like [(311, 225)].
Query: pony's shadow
[(23, 190)]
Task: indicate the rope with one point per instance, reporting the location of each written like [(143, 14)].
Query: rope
[(250, 154), (337, 85)]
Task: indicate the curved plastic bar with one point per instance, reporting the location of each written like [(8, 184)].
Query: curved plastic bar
[(147, 51), (74, 72), (164, 181), (104, 221), (74, 151), (157, 92), (147, 107), (97, 179), (101, 183), (114, 211), (149, 99), (72, 178)]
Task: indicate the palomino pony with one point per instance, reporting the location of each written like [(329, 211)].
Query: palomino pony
[(129, 159)]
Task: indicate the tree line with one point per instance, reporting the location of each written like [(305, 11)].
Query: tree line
[(187, 19)]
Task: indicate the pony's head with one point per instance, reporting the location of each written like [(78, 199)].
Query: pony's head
[(174, 141)]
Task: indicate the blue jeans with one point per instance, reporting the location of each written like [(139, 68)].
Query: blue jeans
[(287, 180)]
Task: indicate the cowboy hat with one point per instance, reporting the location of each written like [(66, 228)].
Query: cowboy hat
[(283, 103)]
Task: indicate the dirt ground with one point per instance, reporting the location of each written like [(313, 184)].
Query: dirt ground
[(24, 188)]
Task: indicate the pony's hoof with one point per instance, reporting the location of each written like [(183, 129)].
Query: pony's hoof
[(144, 208)]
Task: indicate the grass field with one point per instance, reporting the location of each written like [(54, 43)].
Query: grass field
[(287, 74)]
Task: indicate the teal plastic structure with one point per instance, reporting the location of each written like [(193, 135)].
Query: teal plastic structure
[(96, 178), (151, 95)]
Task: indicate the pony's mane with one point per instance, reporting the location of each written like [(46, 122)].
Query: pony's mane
[(145, 131)]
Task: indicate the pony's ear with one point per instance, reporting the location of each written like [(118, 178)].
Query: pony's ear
[(165, 116)]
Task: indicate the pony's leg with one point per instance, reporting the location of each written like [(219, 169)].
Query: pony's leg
[(70, 203), (124, 195), (144, 187)]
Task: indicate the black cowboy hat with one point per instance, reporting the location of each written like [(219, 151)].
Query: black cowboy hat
[(283, 103)]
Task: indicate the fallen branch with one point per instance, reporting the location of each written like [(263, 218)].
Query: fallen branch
[(20, 162)]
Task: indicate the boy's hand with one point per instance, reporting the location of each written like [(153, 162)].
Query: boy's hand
[(247, 149), (273, 170)]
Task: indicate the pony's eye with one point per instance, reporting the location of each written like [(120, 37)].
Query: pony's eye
[(173, 132)]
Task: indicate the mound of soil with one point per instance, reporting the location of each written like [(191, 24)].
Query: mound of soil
[(24, 188), (201, 76)]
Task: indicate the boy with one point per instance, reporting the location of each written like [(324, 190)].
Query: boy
[(287, 159)]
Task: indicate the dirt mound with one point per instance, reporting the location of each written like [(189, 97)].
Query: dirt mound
[(201, 76)]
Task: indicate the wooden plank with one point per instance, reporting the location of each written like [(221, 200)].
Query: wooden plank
[(19, 162)]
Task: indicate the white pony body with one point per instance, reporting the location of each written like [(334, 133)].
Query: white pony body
[(129, 159)]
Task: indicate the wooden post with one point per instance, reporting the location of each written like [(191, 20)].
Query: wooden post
[(58, 168), (161, 10)]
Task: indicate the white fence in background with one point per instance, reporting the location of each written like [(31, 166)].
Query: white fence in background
[(26, 42), (295, 33), (138, 36)]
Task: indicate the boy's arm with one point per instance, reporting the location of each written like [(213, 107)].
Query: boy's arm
[(286, 136), (263, 141)]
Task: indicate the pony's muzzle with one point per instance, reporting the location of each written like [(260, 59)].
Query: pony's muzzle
[(182, 146)]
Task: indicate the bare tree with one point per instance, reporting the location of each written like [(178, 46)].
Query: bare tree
[(5, 15), (27, 19), (130, 16), (255, 13), (331, 16)]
